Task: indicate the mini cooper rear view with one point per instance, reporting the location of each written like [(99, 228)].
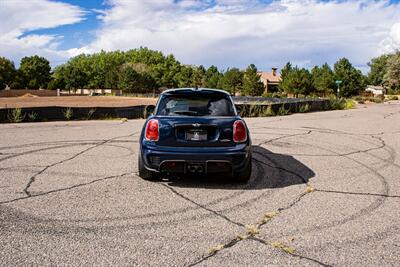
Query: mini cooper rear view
[(197, 132)]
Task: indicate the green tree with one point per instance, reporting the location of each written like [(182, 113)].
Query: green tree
[(297, 81), (7, 72), (283, 86), (212, 77), (392, 75), (323, 80), (352, 79), (184, 76), (252, 84), (134, 79), (285, 70), (35, 72), (129, 79), (58, 78), (378, 70), (198, 76), (75, 78), (231, 81)]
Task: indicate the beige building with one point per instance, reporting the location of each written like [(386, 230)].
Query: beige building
[(271, 80)]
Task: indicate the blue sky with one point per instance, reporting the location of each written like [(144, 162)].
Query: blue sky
[(226, 33)]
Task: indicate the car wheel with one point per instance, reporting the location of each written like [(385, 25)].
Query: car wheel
[(243, 176), (145, 173)]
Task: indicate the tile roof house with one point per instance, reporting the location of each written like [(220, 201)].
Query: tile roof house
[(271, 80)]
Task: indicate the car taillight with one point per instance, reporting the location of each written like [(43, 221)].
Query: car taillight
[(152, 133), (239, 132)]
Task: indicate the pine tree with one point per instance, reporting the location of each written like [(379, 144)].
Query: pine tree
[(352, 79), (323, 80), (231, 81), (252, 84)]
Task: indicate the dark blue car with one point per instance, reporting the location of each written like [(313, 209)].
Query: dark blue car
[(195, 131)]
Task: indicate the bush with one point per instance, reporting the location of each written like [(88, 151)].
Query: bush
[(304, 108), (268, 112), (282, 111), (90, 113), (335, 104), (393, 97), (32, 116), (377, 99), (349, 104), (16, 115), (68, 113)]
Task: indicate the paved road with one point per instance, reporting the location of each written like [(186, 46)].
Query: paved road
[(325, 190)]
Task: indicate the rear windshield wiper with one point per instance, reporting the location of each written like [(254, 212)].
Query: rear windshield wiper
[(185, 112)]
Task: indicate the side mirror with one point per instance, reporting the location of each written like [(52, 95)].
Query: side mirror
[(150, 110)]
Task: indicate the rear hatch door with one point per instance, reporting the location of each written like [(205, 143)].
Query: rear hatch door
[(196, 131)]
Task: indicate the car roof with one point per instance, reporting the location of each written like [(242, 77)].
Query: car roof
[(194, 90)]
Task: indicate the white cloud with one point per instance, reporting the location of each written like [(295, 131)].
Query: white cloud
[(391, 43), (238, 32), (19, 17)]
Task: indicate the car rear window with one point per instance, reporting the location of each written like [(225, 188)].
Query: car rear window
[(199, 105)]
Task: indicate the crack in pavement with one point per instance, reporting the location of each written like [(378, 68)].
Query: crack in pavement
[(233, 242), (294, 254), (32, 179), (356, 193), (201, 206), (66, 188), (252, 230), (309, 189), (282, 137)]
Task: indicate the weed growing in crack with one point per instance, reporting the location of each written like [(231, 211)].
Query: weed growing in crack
[(310, 189), (241, 237), (283, 247), (217, 248), (268, 216), (252, 229)]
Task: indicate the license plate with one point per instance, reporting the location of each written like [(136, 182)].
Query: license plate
[(196, 135)]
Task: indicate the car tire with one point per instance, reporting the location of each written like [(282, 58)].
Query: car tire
[(144, 173), (243, 176)]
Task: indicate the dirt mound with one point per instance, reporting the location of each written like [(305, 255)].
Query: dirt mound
[(28, 95)]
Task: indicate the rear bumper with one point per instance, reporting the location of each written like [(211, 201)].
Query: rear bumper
[(205, 160)]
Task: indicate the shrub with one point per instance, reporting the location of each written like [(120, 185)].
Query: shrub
[(304, 108), (268, 95), (32, 116), (282, 111), (16, 115), (378, 99), (68, 113), (90, 113), (268, 112), (393, 97), (349, 104), (335, 104)]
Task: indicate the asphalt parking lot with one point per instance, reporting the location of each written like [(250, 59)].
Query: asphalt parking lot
[(325, 190)]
